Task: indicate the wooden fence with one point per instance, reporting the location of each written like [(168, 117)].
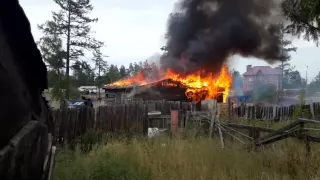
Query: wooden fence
[(72, 123), (163, 121), (275, 112), (129, 118), (135, 118)]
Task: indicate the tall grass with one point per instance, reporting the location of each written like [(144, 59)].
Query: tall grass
[(187, 159)]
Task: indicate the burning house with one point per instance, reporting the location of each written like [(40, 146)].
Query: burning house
[(154, 91), (171, 86), (201, 36)]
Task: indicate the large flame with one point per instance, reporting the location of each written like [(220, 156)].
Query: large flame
[(199, 86)]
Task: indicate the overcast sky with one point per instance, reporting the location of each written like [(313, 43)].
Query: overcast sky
[(133, 30)]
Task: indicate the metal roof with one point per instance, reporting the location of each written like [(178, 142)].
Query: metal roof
[(265, 70)]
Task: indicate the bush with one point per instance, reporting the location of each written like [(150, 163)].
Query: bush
[(302, 111), (89, 140), (264, 92)]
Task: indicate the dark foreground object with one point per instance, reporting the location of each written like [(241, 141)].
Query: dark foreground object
[(25, 123)]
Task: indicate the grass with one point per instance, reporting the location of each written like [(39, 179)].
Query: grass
[(187, 159)]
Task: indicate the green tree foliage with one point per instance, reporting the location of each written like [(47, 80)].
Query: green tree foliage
[(83, 74), (101, 66), (237, 82), (304, 18), (292, 78), (288, 80), (302, 111), (286, 44), (264, 92), (72, 23), (113, 74), (314, 85), (136, 68), (123, 72), (53, 54), (131, 69)]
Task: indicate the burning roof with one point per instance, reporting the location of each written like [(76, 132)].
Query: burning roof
[(197, 86)]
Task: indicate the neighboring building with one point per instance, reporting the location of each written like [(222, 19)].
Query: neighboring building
[(261, 74), (89, 89)]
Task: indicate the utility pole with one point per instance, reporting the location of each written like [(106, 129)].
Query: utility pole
[(281, 83), (99, 70), (282, 65)]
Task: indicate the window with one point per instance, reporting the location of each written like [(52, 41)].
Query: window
[(110, 95), (250, 87), (250, 79)]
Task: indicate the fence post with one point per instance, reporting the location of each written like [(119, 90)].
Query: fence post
[(174, 121), (214, 111), (146, 121), (229, 109), (312, 110)]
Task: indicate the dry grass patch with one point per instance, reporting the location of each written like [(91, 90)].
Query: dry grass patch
[(187, 159)]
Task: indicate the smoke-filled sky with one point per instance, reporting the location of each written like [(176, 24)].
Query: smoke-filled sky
[(135, 31), (208, 32)]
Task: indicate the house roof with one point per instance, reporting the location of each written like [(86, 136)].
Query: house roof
[(266, 70)]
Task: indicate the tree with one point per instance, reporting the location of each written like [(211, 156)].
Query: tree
[(285, 43), (53, 54), (113, 74), (292, 78), (304, 17), (264, 92), (123, 71), (101, 66), (286, 49), (73, 24), (314, 85), (136, 68), (237, 82), (130, 69), (83, 74)]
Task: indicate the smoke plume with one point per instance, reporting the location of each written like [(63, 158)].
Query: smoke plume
[(204, 33)]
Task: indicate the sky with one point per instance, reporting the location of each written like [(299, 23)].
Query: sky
[(134, 31)]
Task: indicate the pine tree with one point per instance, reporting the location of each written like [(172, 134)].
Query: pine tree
[(286, 49), (122, 71), (113, 74), (130, 69), (304, 16), (101, 66), (53, 54), (72, 22)]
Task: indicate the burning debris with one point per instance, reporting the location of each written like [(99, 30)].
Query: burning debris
[(203, 35)]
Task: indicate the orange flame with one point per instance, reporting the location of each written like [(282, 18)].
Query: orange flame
[(200, 85), (138, 79)]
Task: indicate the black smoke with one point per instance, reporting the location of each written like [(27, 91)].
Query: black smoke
[(204, 33)]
